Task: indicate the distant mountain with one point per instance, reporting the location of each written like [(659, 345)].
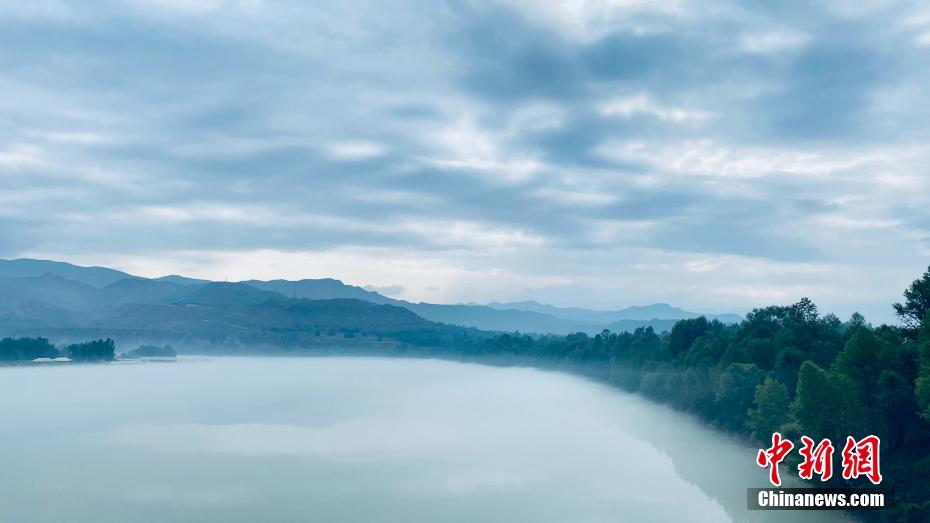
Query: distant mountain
[(98, 294), (528, 316), (140, 290), (93, 276), (576, 314), (36, 313), (322, 289), (49, 288), (339, 313), (667, 312), (181, 280), (656, 311), (280, 316), (477, 316), (486, 318), (223, 293)]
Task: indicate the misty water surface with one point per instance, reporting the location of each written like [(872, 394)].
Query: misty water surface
[(355, 440)]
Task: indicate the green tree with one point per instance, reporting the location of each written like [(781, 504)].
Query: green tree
[(923, 377), (916, 304), (706, 351), (97, 350), (770, 411), (814, 397), (735, 389), (895, 404), (26, 349), (826, 404), (856, 321), (684, 333), (862, 360)]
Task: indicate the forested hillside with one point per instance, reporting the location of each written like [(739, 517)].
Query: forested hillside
[(784, 368)]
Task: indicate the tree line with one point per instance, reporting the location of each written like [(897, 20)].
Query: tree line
[(28, 349), (788, 368)]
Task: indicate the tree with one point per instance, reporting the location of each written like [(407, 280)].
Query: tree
[(788, 363), (895, 403), (826, 404), (862, 360), (706, 351), (916, 303), (814, 397), (804, 311), (923, 377), (97, 350), (734, 393), (770, 411), (684, 333), (856, 321), (26, 349)]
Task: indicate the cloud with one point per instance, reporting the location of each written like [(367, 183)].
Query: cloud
[(773, 42), (708, 158), (18, 156), (590, 19), (642, 104), (356, 150), (581, 152)]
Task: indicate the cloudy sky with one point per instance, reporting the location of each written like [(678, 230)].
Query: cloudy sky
[(598, 153)]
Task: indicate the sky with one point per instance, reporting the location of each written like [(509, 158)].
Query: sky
[(598, 153)]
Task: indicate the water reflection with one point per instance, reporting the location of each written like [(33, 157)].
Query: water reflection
[(355, 439)]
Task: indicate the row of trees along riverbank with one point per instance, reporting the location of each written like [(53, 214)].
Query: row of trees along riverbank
[(784, 368), (29, 349)]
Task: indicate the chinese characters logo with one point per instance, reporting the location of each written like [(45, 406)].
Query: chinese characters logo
[(860, 458)]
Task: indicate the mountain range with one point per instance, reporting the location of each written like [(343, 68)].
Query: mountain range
[(43, 293)]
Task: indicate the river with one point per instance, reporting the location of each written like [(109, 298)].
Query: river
[(356, 440)]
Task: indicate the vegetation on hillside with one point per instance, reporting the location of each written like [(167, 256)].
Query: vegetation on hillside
[(784, 368)]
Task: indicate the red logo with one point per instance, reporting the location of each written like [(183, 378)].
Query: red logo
[(773, 456), (816, 460), (860, 458)]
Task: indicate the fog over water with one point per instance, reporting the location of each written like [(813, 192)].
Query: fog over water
[(356, 440)]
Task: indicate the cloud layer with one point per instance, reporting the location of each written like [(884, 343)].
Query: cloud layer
[(595, 152)]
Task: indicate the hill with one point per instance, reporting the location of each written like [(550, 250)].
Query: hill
[(93, 276), (67, 295), (655, 311)]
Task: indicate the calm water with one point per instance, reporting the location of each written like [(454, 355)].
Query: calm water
[(355, 440)]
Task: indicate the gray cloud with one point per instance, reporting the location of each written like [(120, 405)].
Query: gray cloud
[(512, 145)]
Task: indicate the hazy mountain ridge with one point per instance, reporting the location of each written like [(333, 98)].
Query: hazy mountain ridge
[(321, 289), (80, 296), (654, 311), (93, 276), (180, 280), (282, 314)]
